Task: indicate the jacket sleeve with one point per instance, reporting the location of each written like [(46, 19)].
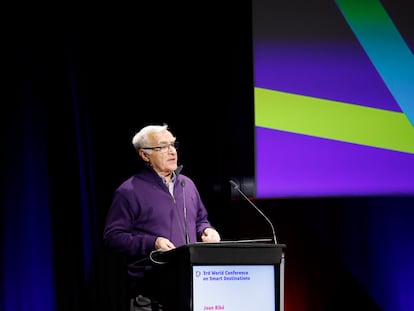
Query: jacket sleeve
[(202, 221), (119, 234)]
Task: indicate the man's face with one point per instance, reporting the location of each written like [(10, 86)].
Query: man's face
[(163, 159)]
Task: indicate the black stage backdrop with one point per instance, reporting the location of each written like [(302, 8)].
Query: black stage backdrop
[(79, 82)]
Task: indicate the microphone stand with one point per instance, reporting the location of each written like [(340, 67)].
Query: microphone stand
[(236, 187)]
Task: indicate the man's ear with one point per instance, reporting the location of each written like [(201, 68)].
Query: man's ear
[(143, 155)]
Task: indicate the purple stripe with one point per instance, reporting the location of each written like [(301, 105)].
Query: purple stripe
[(293, 165), (335, 71)]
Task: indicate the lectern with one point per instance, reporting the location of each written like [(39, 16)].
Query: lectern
[(222, 276)]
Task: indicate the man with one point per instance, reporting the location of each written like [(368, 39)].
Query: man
[(156, 209)]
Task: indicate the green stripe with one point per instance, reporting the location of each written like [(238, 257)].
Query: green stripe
[(333, 120)]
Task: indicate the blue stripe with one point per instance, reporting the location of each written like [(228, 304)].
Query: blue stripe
[(385, 47)]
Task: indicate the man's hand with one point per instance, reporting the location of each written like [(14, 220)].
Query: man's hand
[(210, 235), (163, 244)]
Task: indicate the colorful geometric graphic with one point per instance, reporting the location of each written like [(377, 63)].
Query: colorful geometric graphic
[(334, 101)]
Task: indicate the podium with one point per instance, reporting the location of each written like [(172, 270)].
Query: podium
[(221, 276)]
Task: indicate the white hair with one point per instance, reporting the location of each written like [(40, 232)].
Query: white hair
[(141, 140)]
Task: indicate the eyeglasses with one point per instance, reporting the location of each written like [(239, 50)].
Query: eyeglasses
[(164, 148)]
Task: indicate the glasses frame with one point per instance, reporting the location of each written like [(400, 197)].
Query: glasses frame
[(164, 148)]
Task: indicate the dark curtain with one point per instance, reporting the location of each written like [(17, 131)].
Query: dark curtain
[(79, 81)]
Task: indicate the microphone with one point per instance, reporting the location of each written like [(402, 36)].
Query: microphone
[(187, 239), (236, 187)]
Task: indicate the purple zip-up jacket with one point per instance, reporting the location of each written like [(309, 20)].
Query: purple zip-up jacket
[(143, 209)]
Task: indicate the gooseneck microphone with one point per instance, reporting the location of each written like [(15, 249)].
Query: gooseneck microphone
[(187, 238), (236, 187)]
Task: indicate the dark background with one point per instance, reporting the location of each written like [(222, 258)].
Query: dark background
[(79, 81)]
